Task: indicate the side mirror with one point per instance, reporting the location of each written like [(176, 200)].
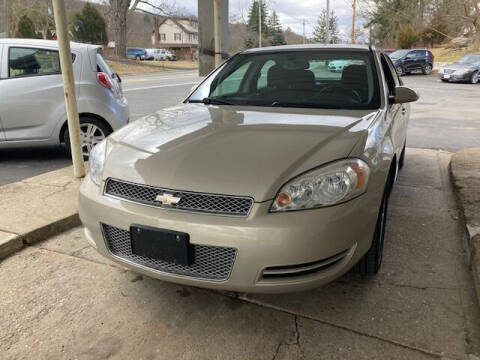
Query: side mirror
[(117, 77), (403, 95)]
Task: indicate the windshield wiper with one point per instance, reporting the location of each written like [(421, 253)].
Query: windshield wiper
[(215, 101), (303, 105)]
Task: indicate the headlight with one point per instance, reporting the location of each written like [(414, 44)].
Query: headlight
[(96, 161), (328, 185)]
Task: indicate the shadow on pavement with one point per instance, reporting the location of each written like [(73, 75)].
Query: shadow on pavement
[(22, 163)]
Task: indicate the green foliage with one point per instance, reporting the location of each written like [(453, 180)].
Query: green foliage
[(89, 26), (26, 29), (320, 30), (275, 29), (272, 33), (407, 37)]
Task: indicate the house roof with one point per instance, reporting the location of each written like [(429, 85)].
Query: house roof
[(177, 20)]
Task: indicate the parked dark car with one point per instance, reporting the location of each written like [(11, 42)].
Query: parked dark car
[(467, 69), (138, 54), (409, 60)]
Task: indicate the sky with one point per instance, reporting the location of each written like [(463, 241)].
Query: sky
[(291, 12)]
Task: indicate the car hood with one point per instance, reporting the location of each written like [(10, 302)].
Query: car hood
[(457, 66), (245, 151)]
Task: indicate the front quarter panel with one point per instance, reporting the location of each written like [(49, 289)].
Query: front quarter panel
[(376, 147)]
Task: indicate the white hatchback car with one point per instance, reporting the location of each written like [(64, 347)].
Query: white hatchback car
[(32, 106)]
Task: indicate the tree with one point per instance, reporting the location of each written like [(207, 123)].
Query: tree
[(407, 37), (276, 32), (117, 13), (89, 26), (320, 30), (252, 23), (26, 29)]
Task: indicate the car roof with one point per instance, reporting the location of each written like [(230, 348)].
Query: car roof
[(46, 43), (309, 47)]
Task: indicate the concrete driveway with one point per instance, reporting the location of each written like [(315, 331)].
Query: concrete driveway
[(60, 300)]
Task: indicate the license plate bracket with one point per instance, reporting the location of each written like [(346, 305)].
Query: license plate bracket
[(161, 244)]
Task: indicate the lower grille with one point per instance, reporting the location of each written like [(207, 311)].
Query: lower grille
[(448, 71), (210, 262), (291, 271)]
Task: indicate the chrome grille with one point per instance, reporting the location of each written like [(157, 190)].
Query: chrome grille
[(448, 71), (189, 201), (210, 262)]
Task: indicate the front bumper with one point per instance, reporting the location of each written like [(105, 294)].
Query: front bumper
[(455, 77), (265, 243)]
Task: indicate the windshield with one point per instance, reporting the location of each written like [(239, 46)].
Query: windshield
[(294, 79), (399, 54), (469, 59)]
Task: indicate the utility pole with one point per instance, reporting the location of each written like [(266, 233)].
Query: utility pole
[(327, 24), (217, 18), (259, 23), (303, 23), (354, 14), (6, 20), (69, 86)]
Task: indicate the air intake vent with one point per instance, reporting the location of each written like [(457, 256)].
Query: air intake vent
[(210, 263), (291, 271)]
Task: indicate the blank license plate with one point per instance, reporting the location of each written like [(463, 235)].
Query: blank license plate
[(161, 244)]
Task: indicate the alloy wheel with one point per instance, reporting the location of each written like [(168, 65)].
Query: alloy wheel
[(399, 70), (90, 135), (475, 78), (427, 70)]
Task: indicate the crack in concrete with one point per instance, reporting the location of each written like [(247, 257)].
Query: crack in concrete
[(429, 352), (296, 335), (76, 256)]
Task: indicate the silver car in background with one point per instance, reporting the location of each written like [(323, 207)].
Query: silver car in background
[(466, 69), (32, 106)]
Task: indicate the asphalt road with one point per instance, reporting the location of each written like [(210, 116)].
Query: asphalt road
[(145, 93), (445, 117)]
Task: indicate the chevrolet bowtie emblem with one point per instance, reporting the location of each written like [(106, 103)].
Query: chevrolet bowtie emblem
[(167, 199)]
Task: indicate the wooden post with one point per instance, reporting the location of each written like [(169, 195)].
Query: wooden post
[(217, 18), (69, 87), (354, 14), (327, 24)]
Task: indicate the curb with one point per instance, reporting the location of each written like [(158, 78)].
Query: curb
[(462, 191), (14, 242), (37, 208)]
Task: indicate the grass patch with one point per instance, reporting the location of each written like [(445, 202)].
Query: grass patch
[(125, 67), (182, 64), (129, 67), (450, 55)]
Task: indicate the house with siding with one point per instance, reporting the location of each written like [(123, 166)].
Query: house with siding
[(179, 35)]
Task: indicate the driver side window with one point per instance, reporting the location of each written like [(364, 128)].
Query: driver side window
[(389, 76)]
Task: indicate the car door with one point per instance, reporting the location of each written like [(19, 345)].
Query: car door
[(409, 62), (398, 113), (31, 93), (2, 63)]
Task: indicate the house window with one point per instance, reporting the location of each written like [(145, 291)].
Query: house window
[(177, 36), (191, 37), (162, 37)]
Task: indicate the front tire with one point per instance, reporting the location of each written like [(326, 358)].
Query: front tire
[(92, 131), (400, 71), (372, 260), (475, 78)]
